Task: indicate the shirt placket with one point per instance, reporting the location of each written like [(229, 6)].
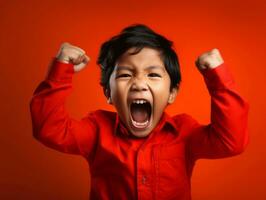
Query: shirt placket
[(144, 177)]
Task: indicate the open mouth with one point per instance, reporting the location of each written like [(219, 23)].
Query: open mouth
[(140, 110)]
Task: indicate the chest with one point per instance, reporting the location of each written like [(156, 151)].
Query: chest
[(157, 169)]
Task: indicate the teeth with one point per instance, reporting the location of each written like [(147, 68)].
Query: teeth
[(138, 124), (139, 101)]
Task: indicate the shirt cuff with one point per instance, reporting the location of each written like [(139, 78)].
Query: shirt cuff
[(218, 78), (60, 71)]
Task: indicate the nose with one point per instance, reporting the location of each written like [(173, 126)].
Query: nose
[(139, 84)]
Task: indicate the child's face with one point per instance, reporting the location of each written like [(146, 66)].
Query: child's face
[(140, 90)]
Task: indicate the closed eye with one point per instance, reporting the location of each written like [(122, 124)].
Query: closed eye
[(154, 75)]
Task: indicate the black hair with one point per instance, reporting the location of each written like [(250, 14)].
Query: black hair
[(137, 36)]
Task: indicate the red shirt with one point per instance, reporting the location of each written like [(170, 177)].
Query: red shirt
[(124, 167)]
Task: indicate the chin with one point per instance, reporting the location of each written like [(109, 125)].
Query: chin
[(140, 134)]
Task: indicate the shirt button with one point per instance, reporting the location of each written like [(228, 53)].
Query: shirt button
[(144, 179)]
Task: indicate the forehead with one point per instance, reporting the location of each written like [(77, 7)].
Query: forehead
[(145, 57)]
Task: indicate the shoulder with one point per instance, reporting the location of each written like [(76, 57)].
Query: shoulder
[(185, 123), (184, 119), (102, 116)]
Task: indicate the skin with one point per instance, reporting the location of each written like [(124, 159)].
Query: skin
[(138, 76), (72, 54)]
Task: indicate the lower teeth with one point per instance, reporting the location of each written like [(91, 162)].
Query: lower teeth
[(140, 124)]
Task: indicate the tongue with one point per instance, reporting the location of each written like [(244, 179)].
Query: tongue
[(139, 114)]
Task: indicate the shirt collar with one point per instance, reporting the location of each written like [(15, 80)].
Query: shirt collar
[(165, 122)]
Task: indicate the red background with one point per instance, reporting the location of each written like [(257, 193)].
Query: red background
[(31, 33)]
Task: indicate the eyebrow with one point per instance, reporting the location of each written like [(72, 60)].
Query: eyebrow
[(147, 68)]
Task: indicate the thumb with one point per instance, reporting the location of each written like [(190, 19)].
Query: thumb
[(84, 61)]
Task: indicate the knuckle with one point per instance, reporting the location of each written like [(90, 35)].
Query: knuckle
[(215, 51), (65, 51), (64, 45)]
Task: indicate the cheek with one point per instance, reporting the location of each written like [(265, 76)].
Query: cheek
[(118, 93), (161, 94), (161, 88)]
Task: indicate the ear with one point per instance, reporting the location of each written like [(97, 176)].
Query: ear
[(108, 96), (172, 95), (109, 100)]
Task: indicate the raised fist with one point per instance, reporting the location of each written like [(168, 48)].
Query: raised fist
[(74, 55), (209, 60)]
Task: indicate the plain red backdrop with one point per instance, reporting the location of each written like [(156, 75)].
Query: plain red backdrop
[(31, 33)]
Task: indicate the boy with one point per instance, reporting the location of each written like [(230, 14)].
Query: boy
[(139, 152)]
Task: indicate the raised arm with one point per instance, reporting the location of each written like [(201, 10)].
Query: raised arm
[(227, 134), (51, 123)]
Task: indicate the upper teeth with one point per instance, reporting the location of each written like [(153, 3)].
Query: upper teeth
[(139, 101)]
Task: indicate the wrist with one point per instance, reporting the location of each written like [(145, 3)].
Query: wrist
[(60, 71), (61, 57)]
